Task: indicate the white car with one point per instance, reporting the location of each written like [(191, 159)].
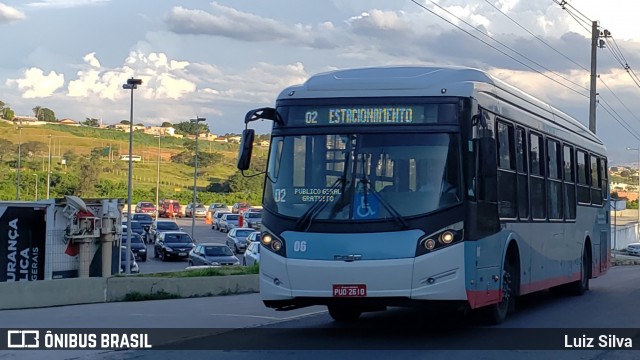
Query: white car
[(633, 249), (252, 254)]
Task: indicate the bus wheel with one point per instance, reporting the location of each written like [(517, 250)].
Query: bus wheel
[(344, 313), (497, 313), (581, 286)]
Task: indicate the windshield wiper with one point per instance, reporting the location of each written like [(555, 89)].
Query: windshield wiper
[(317, 207)]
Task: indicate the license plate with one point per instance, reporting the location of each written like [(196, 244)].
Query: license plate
[(355, 290), (182, 254)]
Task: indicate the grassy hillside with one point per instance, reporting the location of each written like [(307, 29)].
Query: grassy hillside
[(175, 179)]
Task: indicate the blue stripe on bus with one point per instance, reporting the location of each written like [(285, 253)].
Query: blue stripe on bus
[(370, 246)]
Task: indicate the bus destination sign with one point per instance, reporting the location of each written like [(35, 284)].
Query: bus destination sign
[(359, 115)]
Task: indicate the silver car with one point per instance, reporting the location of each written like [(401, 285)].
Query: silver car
[(228, 222), (215, 219), (633, 249), (252, 254), (237, 239)]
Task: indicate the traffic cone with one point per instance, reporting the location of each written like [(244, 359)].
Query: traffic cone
[(207, 219)]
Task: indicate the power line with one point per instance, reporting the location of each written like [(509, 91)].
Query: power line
[(535, 36), (618, 119), (499, 50)]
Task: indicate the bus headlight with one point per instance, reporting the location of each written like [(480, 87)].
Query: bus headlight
[(273, 243), (429, 244), (440, 239), (446, 237)]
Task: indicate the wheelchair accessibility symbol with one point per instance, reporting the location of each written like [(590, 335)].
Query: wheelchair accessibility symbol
[(365, 209)]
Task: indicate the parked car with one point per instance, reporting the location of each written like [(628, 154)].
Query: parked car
[(136, 228), (133, 265), (254, 237), (252, 219), (198, 209), (215, 219), (138, 246), (160, 226), (145, 207), (239, 206), (228, 222), (237, 238), (171, 208), (252, 254), (218, 206), (212, 254), (144, 219), (173, 244), (633, 249)]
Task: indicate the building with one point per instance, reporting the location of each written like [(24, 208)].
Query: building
[(68, 121), (125, 127), (159, 130)]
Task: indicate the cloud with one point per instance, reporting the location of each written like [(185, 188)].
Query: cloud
[(162, 78), (9, 14), (35, 84), (227, 22), (63, 4)]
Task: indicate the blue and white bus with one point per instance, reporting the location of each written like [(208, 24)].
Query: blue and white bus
[(401, 186)]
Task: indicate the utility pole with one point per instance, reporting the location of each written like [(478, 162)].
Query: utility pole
[(595, 34)]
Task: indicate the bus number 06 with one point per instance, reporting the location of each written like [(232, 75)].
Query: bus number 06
[(299, 246)]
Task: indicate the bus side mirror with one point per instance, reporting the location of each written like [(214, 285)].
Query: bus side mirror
[(246, 148)]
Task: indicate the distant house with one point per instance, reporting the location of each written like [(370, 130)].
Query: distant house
[(264, 143), (27, 120), (125, 127), (159, 130), (68, 122), (221, 139), (235, 139)]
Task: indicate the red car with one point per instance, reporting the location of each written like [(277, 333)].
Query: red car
[(171, 208), (145, 207)]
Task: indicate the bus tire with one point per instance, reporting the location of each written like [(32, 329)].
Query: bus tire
[(344, 313), (497, 313), (581, 286)]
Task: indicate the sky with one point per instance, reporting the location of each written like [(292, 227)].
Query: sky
[(219, 59)]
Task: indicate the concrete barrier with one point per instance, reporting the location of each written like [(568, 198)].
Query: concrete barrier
[(33, 294), (44, 293), (119, 287)]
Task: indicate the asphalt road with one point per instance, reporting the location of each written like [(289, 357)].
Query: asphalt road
[(240, 327)]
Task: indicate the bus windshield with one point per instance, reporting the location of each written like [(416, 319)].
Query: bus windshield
[(362, 176)]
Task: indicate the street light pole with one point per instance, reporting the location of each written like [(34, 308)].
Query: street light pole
[(36, 175), (130, 85), (19, 157), (49, 168), (196, 121), (158, 180)]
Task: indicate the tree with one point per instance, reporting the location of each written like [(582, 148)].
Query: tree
[(124, 122), (70, 157), (92, 122), (189, 128), (89, 171), (5, 148), (33, 148), (47, 115), (7, 113), (624, 173), (37, 111), (166, 124)]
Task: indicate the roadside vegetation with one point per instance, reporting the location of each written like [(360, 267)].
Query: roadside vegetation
[(221, 271), (85, 161)]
